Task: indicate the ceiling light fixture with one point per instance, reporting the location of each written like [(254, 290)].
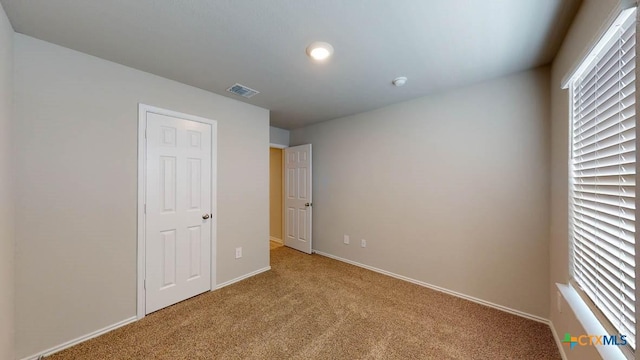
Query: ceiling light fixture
[(399, 81), (319, 50)]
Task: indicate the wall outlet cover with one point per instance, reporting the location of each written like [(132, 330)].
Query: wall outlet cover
[(346, 239), (238, 252)]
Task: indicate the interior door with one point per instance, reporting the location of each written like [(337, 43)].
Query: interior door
[(178, 210), (298, 198)]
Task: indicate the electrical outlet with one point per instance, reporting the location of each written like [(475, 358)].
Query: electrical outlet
[(363, 243), (346, 239), (238, 252)]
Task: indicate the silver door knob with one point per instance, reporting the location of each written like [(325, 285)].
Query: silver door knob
[(205, 216), (307, 204)]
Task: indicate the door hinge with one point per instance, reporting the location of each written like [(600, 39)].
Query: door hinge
[(144, 284), (145, 208), (145, 133)]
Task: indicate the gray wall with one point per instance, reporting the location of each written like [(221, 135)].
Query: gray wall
[(6, 193), (278, 136), (584, 32), (450, 189), (76, 130)]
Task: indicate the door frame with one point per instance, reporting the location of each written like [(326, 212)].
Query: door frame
[(143, 109), (279, 147)]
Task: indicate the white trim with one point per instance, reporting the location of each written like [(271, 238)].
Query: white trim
[(440, 289), (142, 125), (214, 203), (277, 146), (240, 278), (620, 7), (589, 321), (558, 341), (279, 241), (82, 338)]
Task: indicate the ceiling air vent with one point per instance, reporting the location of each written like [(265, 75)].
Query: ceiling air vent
[(242, 90)]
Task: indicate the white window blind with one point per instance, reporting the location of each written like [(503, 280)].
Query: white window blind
[(603, 177)]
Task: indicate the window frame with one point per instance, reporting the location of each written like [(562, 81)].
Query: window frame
[(583, 65)]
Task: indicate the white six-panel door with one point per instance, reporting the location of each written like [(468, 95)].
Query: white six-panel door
[(298, 197), (178, 210)]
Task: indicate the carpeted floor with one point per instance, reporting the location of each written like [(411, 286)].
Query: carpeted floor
[(313, 307)]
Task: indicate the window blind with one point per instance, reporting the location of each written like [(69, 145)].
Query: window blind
[(603, 177)]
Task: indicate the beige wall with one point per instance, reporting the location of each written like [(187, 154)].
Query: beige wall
[(76, 130), (6, 192), (450, 189), (278, 136), (275, 193), (587, 25)]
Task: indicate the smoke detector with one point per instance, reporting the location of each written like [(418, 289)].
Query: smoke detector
[(399, 81)]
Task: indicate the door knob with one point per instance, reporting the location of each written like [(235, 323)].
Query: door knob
[(307, 204), (205, 216)]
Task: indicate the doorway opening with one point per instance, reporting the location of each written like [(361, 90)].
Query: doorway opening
[(276, 211), (291, 197)]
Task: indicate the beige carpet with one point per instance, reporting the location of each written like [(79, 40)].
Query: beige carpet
[(312, 307)]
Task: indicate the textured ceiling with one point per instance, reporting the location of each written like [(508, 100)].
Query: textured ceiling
[(212, 44)]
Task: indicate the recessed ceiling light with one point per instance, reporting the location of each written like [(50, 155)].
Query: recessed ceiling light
[(319, 50)]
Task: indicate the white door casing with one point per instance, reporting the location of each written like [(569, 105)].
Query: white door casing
[(178, 208), (298, 198)]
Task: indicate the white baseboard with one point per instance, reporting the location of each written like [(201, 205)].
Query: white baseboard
[(457, 294), (440, 289), (279, 241), (558, 341), (240, 278), (105, 330), (112, 327), (80, 339)]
